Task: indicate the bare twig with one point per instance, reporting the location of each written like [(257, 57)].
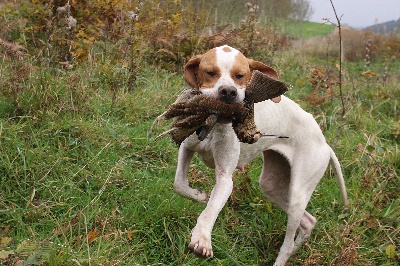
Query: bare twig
[(340, 60)]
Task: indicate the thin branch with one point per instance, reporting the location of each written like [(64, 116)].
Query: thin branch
[(340, 59)]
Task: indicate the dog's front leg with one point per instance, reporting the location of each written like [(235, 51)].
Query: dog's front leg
[(181, 183), (226, 155)]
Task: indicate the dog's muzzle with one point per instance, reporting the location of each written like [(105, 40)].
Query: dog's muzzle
[(227, 94)]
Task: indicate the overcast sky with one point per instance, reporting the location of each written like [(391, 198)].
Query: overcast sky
[(357, 13)]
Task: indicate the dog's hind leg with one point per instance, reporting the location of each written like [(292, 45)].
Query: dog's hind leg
[(275, 183), (181, 183), (290, 187), (288, 246), (307, 224)]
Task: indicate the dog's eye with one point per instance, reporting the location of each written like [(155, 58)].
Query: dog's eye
[(211, 73), (239, 76)]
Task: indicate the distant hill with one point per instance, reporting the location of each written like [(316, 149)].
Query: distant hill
[(386, 28)]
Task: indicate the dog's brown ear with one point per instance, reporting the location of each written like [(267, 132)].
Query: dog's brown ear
[(255, 65), (190, 71)]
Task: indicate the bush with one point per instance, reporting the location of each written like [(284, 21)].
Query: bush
[(166, 33)]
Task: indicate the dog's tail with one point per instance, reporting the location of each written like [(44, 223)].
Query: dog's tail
[(339, 178)]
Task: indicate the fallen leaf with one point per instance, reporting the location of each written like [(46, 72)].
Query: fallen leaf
[(4, 241), (92, 235), (391, 251), (368, 73), (129, 235), (26, 247), (5, 253)]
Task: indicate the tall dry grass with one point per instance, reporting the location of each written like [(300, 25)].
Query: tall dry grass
[(354, 43)]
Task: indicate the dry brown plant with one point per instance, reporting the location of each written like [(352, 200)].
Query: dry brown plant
[(15, 50), (322, 80)]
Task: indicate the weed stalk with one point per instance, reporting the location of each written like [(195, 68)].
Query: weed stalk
[(340, 60)]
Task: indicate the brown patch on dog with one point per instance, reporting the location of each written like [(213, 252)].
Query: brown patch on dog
[(227, 49), (190, 71), (255, 65), (241, 67), (208, 64)]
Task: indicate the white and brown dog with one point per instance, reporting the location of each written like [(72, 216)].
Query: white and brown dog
[(292, 167)]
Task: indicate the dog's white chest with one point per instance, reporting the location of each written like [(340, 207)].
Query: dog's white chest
[(221, 141)]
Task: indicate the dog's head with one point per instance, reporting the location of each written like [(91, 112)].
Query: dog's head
[(223, 73)]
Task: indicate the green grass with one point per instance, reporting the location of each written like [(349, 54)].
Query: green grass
[(307, 29), (82, 185)]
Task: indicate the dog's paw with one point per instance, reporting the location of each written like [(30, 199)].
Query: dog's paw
[(200, 196), (200, 244), (194, 194)]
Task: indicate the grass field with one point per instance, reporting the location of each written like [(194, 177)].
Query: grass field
[(81, 184), (307, 29)]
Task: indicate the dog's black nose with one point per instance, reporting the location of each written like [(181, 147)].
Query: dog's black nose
[(227, 94)]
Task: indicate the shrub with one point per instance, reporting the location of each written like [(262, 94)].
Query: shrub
[(166, 33)]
